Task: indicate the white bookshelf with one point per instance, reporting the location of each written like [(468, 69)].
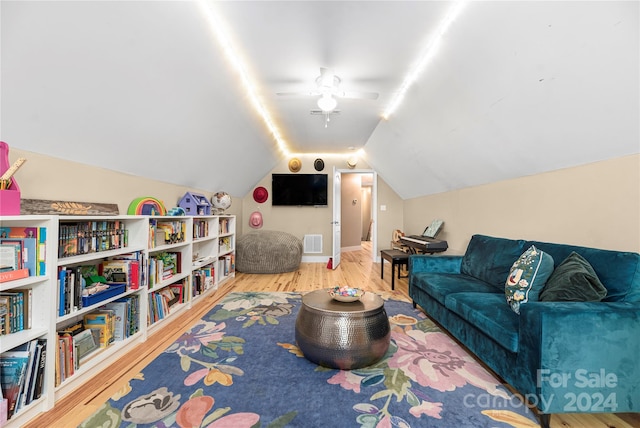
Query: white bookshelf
[(207, 242)]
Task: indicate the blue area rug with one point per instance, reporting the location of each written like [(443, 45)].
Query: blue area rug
[(239, 367)]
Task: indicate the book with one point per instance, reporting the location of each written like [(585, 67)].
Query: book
[(132, 318), (13, 365), (62, 279), (12, 275), (27, 306), (110, 268), (5, 322), (27, 247), (34, 368), (40, 236), (30, 347), (73, 329), (104, 321), (39, 385), (41, 251), (120, 309), (59, 363), (10, 258), (67, 358), (85, 345), (14, 302), (18, 232)]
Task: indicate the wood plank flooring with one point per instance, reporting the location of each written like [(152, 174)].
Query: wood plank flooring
[(356, 269)]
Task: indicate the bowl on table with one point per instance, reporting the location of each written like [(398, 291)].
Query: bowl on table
[(346, 294)]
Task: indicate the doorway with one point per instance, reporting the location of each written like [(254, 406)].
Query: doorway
[(357, 215)]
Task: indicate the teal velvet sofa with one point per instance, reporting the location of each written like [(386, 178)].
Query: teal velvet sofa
[(561, 356)]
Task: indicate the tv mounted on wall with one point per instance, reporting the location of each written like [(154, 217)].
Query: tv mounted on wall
[(299, 190)]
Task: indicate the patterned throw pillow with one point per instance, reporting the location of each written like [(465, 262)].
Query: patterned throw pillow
[(527, 277)]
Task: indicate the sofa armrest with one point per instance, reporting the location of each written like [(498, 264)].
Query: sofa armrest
[(427, 263), (583, 355)]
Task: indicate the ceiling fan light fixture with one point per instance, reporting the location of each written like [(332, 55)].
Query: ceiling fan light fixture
[(327, 103)]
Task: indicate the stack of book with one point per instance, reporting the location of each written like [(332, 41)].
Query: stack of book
[(22, 374), (22, 252), (15, 310), (163, 266), (203, 279), (227, 265), (91, 237), (166, 232), (200, 228), (161, 302), (224, 225)]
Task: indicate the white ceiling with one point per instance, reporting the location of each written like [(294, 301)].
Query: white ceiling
[(516, 88)]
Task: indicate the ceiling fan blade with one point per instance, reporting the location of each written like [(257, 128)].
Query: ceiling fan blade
[(318, 112), (357, 95), (299, 94)]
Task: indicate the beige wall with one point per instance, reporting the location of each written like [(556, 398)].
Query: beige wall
[(389, 219), (596, 205), (44, 177), (351, 211), (299, 221)]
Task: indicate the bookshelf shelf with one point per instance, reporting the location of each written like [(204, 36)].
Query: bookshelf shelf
[(10, 341), (201, 244)]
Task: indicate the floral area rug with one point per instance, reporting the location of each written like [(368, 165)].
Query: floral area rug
[(239, 367)]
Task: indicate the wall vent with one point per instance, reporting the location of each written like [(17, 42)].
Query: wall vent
[(313, 244)]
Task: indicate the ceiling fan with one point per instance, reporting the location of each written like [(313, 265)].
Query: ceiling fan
[(327, 115), (328, 89)]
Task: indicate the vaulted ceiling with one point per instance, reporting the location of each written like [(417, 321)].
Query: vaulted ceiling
[(144, 87)]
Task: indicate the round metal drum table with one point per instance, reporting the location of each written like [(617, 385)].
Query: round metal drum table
[(342, 335)]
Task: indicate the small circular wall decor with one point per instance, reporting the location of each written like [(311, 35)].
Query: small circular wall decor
[(295, 165), (318, 164), (260, 194)]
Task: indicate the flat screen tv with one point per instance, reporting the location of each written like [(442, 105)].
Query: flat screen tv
[(299, 190)]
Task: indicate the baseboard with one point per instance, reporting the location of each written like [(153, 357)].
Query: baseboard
[(315, 259)]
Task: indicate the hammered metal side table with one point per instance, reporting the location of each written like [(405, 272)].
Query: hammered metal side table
[(342, 335)]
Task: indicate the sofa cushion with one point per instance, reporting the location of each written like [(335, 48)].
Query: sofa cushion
[(440, 285), (527, 277), (489, 259), (488, 313), (574, 280)]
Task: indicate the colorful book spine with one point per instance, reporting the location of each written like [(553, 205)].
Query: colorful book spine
[(12, 275)]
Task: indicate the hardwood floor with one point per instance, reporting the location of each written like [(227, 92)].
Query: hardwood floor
[(356, 269)]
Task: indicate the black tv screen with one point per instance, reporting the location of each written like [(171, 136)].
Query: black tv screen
[(299, 189)]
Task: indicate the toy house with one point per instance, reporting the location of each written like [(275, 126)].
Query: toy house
[(195, 204)]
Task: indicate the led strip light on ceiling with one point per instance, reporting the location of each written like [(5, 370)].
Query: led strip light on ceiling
[(428, 52), (222, 36), (217, 26)]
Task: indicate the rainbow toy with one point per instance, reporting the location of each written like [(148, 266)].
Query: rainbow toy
[(147, 205)]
